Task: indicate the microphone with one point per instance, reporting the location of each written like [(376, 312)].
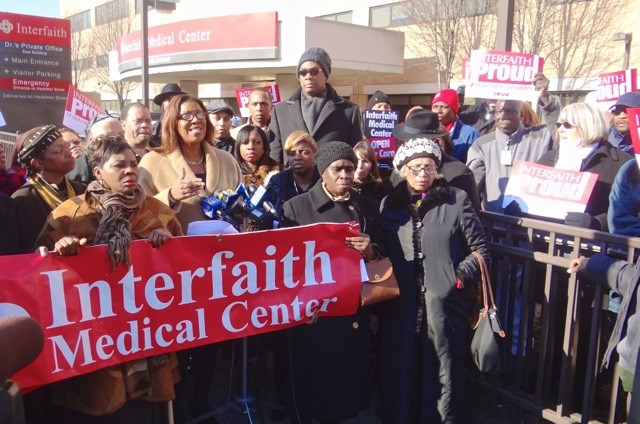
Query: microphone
[(21, 341), (268, 206)]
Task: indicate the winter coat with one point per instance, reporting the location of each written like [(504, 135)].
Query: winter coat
[(624, 201), (330, 362), (605, 161), (283, 186), (32, 214), (622, 277), (339, 120), (8, 225), (432, 361), (104, 391), (159, 171), (463, 137)]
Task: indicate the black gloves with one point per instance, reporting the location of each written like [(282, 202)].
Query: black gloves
[(582, 220), (513, 209)]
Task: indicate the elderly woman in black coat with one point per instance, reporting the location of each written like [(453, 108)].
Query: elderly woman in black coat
[(430, 230), (330, 360)]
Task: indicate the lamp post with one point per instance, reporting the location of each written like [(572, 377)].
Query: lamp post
[(626, 37), (160, 6)]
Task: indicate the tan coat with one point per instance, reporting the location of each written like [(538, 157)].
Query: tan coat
[(158, 172)]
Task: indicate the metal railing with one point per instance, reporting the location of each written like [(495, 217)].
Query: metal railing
[(557, 324)]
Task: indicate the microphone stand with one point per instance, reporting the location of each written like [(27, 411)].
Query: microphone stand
[(244, 401)]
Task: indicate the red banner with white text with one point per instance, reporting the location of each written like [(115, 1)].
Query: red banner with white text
[(190, 292)]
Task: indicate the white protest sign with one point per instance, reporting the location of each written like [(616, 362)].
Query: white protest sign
[(546, 191), (503, 75)]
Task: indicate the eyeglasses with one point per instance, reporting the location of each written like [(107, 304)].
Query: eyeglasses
[(565, 125), (428, 169), (190, 116), (101, 117), (313, 71), (617, 110)]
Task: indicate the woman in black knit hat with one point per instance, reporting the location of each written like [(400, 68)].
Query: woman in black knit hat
[(330, 367)]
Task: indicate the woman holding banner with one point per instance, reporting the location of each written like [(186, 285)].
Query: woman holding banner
[(186, 167), (114, 211), (582, 146), (430, 230), (330, 360)]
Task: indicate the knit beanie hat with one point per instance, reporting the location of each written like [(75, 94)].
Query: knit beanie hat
[(378, 97), (417, 148), (318, 55), (448, 96), (333, 151)]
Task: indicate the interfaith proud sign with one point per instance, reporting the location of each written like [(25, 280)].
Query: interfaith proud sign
[(190, 292), (546, 191), (502, 75), (612, 85)]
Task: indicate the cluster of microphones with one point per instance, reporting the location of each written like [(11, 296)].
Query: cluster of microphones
[(248, 203)]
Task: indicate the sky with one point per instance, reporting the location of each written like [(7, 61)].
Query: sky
[(48, 8)]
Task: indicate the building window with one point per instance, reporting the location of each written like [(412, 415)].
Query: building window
[(80, 21), (112, 11), (84, 63), (339, 17), (102, 61), (389, 15)]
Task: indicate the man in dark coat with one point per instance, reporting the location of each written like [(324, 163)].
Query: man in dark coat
[(330, 360), (316, 108), (620, 135), (220, 114), (424, 123)]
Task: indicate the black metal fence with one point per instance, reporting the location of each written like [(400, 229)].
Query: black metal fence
[(557, 324)]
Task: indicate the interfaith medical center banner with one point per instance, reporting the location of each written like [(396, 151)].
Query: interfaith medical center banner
[(546, 191), (378, 128), (502, 75), (190, 292)]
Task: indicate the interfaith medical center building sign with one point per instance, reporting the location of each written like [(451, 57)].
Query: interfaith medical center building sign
[(35, 70), (239, 37)]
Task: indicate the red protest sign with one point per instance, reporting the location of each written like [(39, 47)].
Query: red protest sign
[(502, 75), (242, 97), (79, 110), (613, 85), (536, 186), (633, 115), (225, 287)]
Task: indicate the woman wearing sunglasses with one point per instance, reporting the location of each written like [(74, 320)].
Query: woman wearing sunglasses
[(187, 165), (581, 145)]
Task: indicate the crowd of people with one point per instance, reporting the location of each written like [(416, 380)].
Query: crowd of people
[(133, 180)]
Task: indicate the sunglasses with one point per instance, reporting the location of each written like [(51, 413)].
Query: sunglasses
[(565, 125), (617, 110), (75, 142), (313, 71)]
